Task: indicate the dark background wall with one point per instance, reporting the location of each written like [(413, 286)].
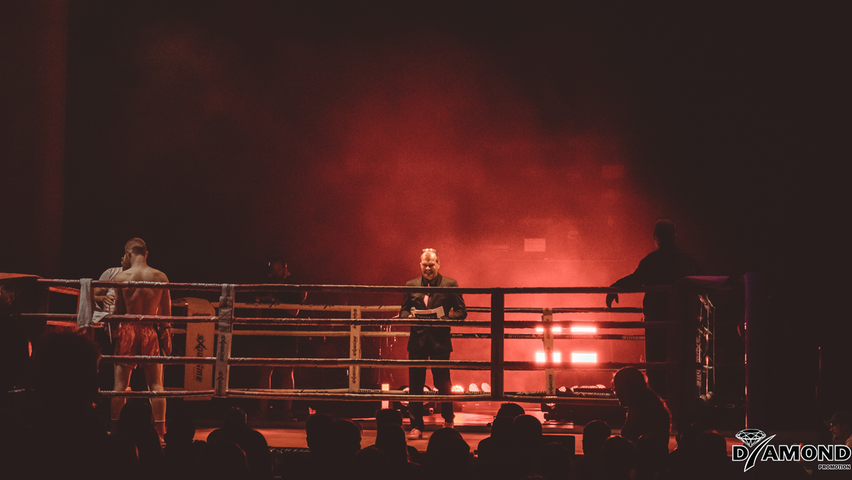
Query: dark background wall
[(347, 136)]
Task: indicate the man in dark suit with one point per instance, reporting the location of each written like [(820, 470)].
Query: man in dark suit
[(430, 342)]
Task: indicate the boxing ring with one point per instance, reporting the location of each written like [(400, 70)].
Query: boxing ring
[(690, 369)]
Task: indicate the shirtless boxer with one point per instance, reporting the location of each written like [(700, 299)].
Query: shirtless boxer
[(140, 338)]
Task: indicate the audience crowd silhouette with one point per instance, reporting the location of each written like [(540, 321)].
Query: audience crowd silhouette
[(62, 437)]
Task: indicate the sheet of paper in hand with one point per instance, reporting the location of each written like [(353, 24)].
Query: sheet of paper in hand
[(439, 311)]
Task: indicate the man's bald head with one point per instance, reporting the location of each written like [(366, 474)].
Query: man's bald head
[(136, 246), (429, 263)]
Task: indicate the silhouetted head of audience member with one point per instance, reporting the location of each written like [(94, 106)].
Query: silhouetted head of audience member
[(617, 457), (495, 447), (841, 426), (180, 430), (136, 418), (665, 233), (629, 385), (501, 428), (136, 422), (388, 416), (525, 441), (223, 459), (595, 434), (65, 374), (447, 455), (526, 432), (344, 439), (510, 410), (317, 432), (370, 463), (235, 419), (390, 439), (686, 437)]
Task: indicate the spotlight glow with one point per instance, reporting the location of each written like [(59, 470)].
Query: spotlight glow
[(473, 388), (557, 357), (540, 357), (539, 329), (486, 388), (458, 389), (584, 329), (556, 329), (584, 357), (385, 388)]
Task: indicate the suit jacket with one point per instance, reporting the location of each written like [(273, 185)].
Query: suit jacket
[(432, 339)]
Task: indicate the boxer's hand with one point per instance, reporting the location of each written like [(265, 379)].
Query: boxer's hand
[(109, 299)]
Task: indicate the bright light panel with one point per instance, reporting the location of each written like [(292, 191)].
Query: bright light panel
[(584, 357), (583, 329)]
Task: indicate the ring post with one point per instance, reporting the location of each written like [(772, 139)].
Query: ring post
[(498, 316), (547, 338), (355, 351), (223, 349)]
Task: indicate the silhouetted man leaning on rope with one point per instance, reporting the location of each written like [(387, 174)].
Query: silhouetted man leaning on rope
[(663, 266)]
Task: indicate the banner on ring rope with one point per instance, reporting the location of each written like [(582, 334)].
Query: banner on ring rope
[(199, 343)]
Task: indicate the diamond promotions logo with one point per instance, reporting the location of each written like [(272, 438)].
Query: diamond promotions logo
[(751, 436), (756, 447), (755, 441)]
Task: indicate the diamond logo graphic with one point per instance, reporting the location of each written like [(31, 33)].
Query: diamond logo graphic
[(750, 436)]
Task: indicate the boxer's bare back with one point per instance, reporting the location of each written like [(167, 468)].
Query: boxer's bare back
[(142, 300)]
